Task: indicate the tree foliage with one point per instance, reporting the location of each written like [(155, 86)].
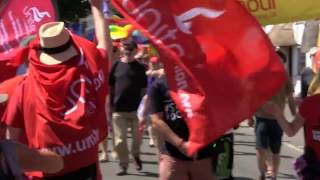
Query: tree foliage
[(72, 10)]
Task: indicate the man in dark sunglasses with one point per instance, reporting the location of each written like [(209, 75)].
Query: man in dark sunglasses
[(127, 83), (128, 48)]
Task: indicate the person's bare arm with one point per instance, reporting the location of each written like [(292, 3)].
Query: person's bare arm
[(292, 104), (290, 128), (101, 27), (250, 122), (35, 160), (164, 131)]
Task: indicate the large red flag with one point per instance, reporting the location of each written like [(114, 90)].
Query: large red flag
[(219, 63), (19, 19)]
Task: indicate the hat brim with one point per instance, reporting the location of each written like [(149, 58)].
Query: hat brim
[(58, 58), (3, 98)]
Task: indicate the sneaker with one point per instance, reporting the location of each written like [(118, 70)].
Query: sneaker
[(151, 144), (262, 177), (114, 155), (138, 163), (122, 172), (103, 157), (271, 178)]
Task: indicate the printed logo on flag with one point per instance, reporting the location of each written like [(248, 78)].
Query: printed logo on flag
[(76, 100), (19, 20), (35, 14), (184, 21)]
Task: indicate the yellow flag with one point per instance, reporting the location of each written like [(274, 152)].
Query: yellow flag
[(282, 11)]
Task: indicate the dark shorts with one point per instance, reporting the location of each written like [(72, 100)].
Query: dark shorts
[(268, 135)]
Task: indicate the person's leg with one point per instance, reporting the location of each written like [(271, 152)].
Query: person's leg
[(275, 147), (262, 156), (136, 140), (120, 139), (104, 144), (150, 133), (113, 153), (269, 162), (231, 154), (104, 150), (172, 169), (261, 145), (160, 143), (275, 163), (201, 169)]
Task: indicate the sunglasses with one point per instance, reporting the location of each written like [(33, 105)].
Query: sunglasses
[(128, 48)]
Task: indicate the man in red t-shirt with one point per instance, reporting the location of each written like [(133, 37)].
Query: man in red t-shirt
[(309, 118), (60, 106)]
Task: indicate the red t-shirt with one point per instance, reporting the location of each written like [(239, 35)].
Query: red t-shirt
[(7, 71), (78, 147), (7, 87), (310, 111)]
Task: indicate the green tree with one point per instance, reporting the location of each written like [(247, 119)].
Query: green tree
[(115, 12), (72, 10)]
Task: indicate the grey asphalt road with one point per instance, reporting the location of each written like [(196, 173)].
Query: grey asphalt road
[(150, 166), (245, 166)]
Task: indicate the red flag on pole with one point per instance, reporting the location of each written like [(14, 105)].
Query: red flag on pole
[(19, 19), (219, 63)]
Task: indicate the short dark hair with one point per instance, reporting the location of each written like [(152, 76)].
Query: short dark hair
[(129, 43), (282, 55)]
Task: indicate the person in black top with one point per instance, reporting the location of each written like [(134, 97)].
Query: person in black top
[(127, 82), (168, 122), (308, 73)]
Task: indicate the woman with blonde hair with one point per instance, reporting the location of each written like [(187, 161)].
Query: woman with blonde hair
[(306, 166)]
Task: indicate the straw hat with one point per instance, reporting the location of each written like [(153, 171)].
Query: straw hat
[(56, 43)]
